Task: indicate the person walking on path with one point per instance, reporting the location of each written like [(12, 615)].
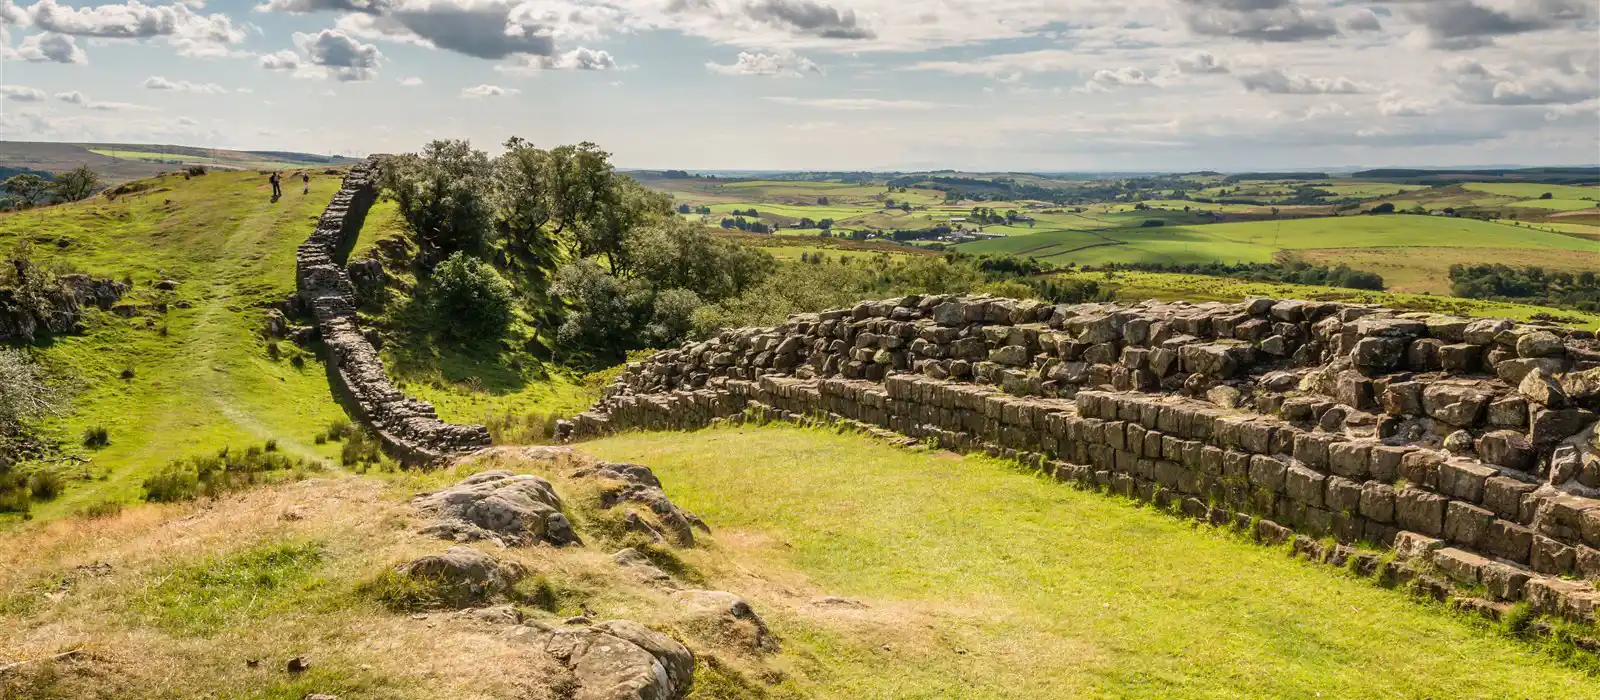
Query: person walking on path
[(305, 177), (277, 189)]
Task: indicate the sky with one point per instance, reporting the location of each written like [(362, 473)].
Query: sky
[(1042, 85)]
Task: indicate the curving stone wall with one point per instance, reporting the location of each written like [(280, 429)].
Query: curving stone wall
[(1468, 445), (410, 429)]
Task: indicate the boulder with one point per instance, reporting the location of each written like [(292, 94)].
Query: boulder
[(632, 483), (508, 509), (465, 577), (1540, 344), (617, 660)]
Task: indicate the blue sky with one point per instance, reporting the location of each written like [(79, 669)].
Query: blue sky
[(827, 84)]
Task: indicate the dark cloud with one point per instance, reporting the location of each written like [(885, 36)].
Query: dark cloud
[(1459, 25), (1256, 20), (809, 17)]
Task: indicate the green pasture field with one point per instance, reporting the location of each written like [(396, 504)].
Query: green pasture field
[(177, 159), (1533, 190), (1390, 230), (1556, 204), (1364, 190), (981, 581), (1139, 286), (198, 376)]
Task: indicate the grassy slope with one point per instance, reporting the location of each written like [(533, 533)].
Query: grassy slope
[(208, 383), (1525, 190), (1139, 286), (1003, 585)]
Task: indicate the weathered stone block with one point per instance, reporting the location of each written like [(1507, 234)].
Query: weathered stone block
[(1464, 479), (1503, 495), (1350, 459), (1342, 495), (1304, 485), (1267, 472), (1552, 557), (1508, 540), (1377, 502), (1420, 511), (1384, 461), (1312, 448), (1466, 524)]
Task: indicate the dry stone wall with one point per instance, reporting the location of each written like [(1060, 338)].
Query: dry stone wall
[(1468, 445), (409, 428)]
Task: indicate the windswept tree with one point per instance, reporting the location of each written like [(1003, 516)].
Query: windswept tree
[(77, 183), (27, 188)]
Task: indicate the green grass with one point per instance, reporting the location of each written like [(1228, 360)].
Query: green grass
[(1396, 230), (1139, 286), (209, 596), (991, 583), (1555, 204), (207, 382), (1526, 190)]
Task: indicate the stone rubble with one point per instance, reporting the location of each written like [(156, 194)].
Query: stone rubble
[(410, 429), (1325, 419)]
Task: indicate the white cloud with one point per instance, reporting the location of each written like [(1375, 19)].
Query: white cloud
[(1276, 81), (190, 32), (1106, 80), (22, 93), (784, 64), (483, 91), (49, 48), (339, 55), (1396, 104), (78, 98), (1481, 83), (854, 104), (159, 83), (1199, 63), (576, 59), (281, 60), (410, 82)]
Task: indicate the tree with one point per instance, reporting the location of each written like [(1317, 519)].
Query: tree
[(27, 187), (1547, 195), (1385, 208), (444, 194), (470, 300), (822, 201), (77, 183), (683, 209), (825, 224)]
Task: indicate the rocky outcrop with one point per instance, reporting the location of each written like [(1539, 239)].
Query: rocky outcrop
[(726, 617), (507, 509), (624, 484), (1355, 422), (56, 311), (408, 428), (464, 577), (616, 660)]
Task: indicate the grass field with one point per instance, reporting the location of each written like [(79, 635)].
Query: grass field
[(984, 582), (1555, 204), (1139, 286), (1523, 190), (1428, 270), (205, 381)]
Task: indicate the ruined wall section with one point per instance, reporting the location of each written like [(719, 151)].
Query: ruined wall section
[(409, 428), (1467, 445)]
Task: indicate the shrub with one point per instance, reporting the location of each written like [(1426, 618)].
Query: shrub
[(361, 448), (25, 392), (102, 509), (470, 301), (338, 428), (195, 170), (96, 437), (228, 470), (272, 446), (45, 485)]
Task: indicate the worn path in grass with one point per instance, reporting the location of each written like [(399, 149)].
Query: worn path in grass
[(1004, 585), (208, 382)]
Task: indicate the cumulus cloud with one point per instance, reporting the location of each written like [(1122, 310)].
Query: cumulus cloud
[(576, 59), (1106, 80), (483, 91), (1458, 25), (854, 104), (49, 48), (159, 83), (1478, 83), (410, 82), (280, 60), (344, 58), (1363, 20), (784, 64), (1256, 20), (78, 98), (1276, 81), (809, 17), (193, 33), (1199, 63), (1395, 104), (488, 29), (21, 93)]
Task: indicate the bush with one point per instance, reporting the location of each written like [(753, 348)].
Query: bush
[(338, 428), (45, 485), (211, 476), (102, 509), (96, 437), (470, 301), (195, 170), (25, 392), (362, 448)]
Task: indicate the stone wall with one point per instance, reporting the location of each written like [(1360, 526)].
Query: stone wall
[(1468, 445), (408, 428)]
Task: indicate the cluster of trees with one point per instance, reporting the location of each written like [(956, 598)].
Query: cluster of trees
[(1292, 272), (920, 234), (556, 238), (986, 215), (31, 189), (743, 225), (686, 209), (1532, 285), (808, 222)]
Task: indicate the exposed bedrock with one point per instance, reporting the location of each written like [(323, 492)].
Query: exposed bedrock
[(1474, 440), (408, 428)]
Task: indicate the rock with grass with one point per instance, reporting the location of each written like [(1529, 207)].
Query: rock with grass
[(464, 577), (622, 484), (726, 618), (615, 660), (640, 567), (505, 508)]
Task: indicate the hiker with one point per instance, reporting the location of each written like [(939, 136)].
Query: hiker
[(277, 191), (305, 177)]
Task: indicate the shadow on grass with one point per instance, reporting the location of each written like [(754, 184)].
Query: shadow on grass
[(419, 349)]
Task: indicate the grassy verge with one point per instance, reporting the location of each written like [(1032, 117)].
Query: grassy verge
[(983, 582)]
